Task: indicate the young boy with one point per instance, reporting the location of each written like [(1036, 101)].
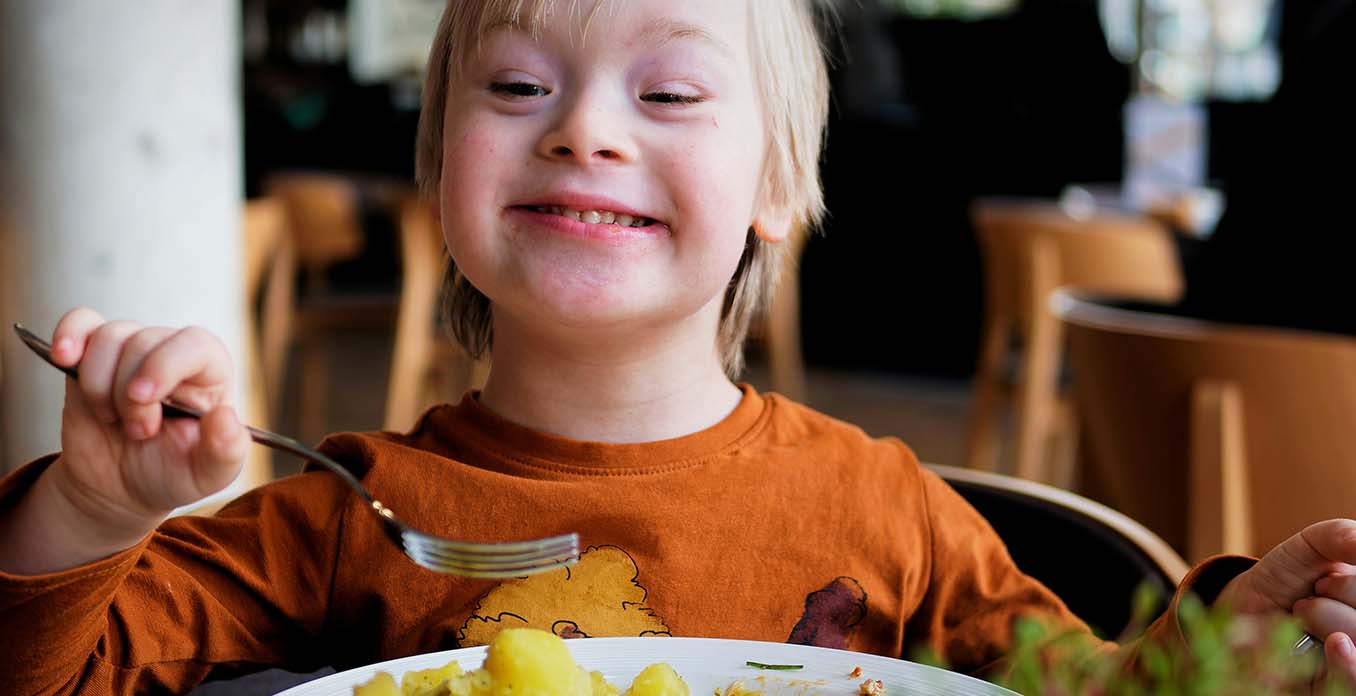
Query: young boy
[(613, 179)]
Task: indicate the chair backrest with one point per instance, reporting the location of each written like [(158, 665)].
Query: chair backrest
[(780, 325), (427, 367), (1100, 558), (269, 269), (322, 215), (269, 261), (1029, 249), (1218, 437), (1125, 255)]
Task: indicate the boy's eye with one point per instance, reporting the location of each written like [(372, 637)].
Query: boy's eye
[(671, 98), (519, 89)]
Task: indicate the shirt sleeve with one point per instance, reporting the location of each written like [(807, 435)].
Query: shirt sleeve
[(244, 589), (975, 590), (977, 593)]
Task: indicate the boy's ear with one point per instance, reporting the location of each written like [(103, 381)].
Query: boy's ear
[(772, 223)]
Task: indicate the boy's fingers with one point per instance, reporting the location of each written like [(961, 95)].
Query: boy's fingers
[(191, 356), (1341, 587), (190, 366), (1328, 542), (99, 366), (1322, 616), (1288, 572), (1339, 658), (222, 447), (71, 333), (156, 362)]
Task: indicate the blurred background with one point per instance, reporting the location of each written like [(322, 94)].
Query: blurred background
[(962, 132)]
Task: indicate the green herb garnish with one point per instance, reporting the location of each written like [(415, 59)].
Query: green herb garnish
[(760, 665)]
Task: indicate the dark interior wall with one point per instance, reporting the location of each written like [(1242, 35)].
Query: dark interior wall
[(1278, 255), (1018, 105), (315, 117)]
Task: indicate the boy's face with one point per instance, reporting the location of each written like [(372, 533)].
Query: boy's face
[(650, 117)]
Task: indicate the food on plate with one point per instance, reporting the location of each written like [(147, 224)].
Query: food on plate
[(871, 687), (523, 662), (764, 665), (532, 662), (737, 689), (658, 679)]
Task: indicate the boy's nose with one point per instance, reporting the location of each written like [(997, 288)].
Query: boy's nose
[(586, 133)]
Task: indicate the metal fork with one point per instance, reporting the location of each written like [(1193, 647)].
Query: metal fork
[(467, 559)]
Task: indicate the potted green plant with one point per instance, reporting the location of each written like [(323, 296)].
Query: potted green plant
[(1223, 654)]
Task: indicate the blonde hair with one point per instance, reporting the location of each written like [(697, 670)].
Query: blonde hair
[(789, 68)]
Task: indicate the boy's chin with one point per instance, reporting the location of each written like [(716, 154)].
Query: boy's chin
[(622, 314), (603, 316)]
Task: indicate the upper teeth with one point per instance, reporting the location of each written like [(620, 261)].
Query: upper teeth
[(595, 217)]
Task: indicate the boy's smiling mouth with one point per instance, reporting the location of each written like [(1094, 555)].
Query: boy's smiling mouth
[(589, 217), (593, 217)]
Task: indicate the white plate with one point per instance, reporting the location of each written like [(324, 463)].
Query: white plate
[(706, 664)]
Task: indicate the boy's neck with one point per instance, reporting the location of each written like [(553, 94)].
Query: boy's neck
[(620, 391)]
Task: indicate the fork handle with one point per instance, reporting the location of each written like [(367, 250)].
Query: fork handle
[(285, 444)]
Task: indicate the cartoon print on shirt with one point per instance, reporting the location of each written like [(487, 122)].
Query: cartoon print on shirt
[(831, 613), (598, 596)]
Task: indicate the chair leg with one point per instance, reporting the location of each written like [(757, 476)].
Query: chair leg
[(1064, 445), (982, 440), (1219, 520), (313, 407), (1034, 412), (259, 465), (1037, 385), (783, 337)]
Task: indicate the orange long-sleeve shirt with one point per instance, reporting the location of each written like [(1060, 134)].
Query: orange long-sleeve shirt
[(778, 524)]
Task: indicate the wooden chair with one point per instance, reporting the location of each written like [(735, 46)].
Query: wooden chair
[(269, 269), (1220, 438), (1115, 554), (778, 327), (324, 224), (427, 366), (1029, 249), (4, 465)]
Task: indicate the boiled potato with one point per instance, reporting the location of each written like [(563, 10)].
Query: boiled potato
[(523, 662), (530, 662), (600, 685), (381, 685), (658, 679), (475, 683), (429, 682)]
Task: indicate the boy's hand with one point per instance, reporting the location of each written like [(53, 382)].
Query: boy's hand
[(123, 468), (1313, 575)]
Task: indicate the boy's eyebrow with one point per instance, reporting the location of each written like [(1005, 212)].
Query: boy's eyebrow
[(663, 31)]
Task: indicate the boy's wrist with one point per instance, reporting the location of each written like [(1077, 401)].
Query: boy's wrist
[(104, 526), (48, 530)]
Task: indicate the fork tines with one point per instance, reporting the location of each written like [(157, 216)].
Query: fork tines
[(491, 560)]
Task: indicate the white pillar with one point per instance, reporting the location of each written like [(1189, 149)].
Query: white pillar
[(120, 181)]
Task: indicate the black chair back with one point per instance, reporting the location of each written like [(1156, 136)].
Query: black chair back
[(1089, 555)]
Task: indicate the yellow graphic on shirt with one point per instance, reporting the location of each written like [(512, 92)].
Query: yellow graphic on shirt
[(598, 596)]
